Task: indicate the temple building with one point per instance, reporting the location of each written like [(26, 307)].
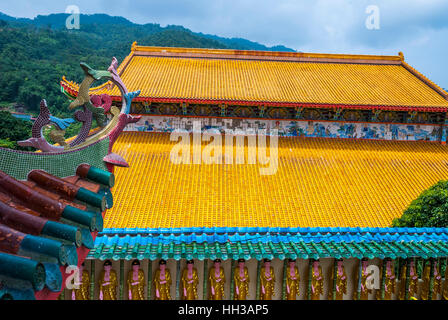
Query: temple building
[(356, 138)]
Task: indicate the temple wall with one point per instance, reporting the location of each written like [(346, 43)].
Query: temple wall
[(327, 129)]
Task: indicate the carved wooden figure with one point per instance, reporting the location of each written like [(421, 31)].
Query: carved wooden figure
[(389, 282), (341, 280), (437, 286), (413, 281), (108, 282), (292, 280), (241, 279), (317, 281), (136, 282), (216, 281), (162, 282), (267, 281), (190, 282)]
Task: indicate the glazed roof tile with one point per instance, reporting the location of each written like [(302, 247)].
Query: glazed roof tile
[(46, 222), (319, 183), (222, 235), (360, 243)]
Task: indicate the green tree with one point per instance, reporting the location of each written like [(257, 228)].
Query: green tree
[(13, 130), (430, 209), (34, 57), (6, 143), (31, 93)]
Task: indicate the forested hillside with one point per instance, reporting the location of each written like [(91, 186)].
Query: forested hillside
[(36, 53)]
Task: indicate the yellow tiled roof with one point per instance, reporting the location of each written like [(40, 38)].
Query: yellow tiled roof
[(319, 183), (260, 77)]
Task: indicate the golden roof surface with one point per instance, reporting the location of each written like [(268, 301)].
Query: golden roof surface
[(231, 76), (319, 183)]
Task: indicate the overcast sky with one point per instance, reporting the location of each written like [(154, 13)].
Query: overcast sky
[(418, 28)]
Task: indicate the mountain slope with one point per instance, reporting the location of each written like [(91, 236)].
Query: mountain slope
[(102, 23), (36, 53)]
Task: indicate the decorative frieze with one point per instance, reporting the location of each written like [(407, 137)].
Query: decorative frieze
[(295, 128), (285, 113)]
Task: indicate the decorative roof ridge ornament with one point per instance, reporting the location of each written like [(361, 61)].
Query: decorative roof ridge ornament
[(92, 107), (134, 46)]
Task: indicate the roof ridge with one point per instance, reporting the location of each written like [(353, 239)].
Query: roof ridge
[(188, 52), (426, 80)]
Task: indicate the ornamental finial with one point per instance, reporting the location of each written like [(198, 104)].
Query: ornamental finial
[(134, 46), (401, 55)]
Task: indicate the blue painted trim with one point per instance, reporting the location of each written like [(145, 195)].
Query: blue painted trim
[(18, 294), (61, 123), (22, 268), (25, 117), (128, 98), (261, 230), (131, 237), (49, 247), (53, 279)]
